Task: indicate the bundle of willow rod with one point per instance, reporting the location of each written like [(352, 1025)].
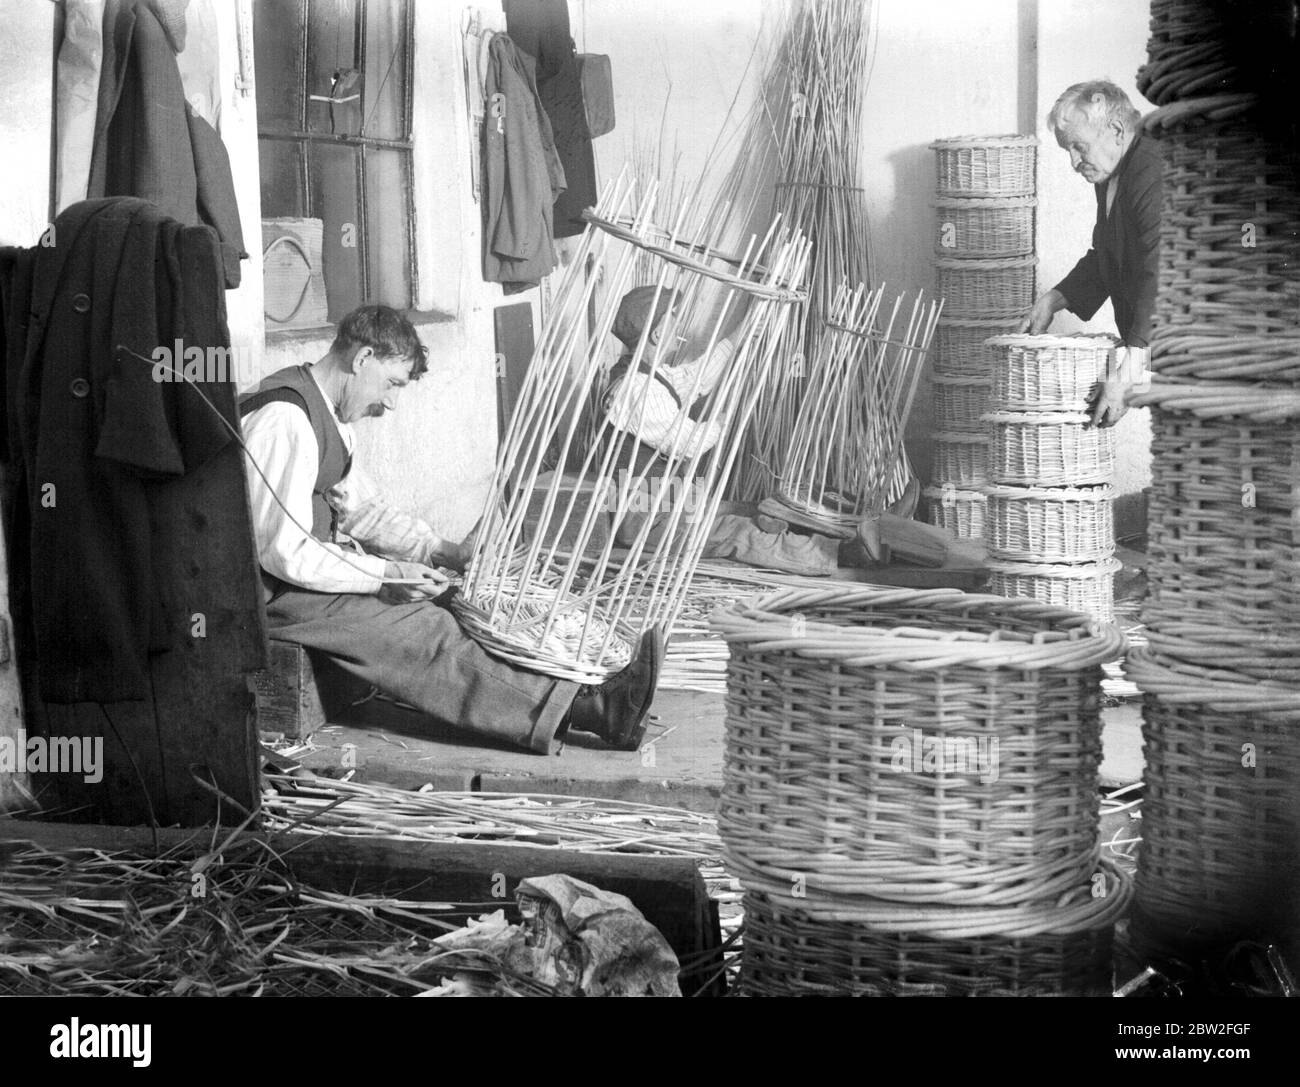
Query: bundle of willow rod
[(847, 436), (813, 101), (522, 598)]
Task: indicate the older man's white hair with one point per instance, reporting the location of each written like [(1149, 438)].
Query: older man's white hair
[(1097, 102)]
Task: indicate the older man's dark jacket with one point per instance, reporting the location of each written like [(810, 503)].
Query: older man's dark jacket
[(1124, 260)]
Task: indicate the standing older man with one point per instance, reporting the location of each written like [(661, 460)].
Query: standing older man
[(1096, 123)]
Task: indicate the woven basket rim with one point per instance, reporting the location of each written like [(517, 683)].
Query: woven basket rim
[(1024, 339), (1069, 571), (1036, 418), (1012, 139), (981, 264), (976, 322), (961, 495), (1216, 688), (763, 622), (1218, 107), (961, 437), (976, 203), (1102, 492), (961, 379), (1218, 400)]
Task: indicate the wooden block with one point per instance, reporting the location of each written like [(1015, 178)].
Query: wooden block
[(288, 700)]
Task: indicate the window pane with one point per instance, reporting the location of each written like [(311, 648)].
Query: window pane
[(331, 47), (385, 70), (387, 225), (334, 200), (277, 59), (281, 170)]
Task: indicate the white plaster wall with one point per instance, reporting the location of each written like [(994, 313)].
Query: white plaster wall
[(1078, 40)]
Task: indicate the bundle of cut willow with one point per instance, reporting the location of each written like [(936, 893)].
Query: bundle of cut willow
[(813, 101), (848, 433), (523, 599)]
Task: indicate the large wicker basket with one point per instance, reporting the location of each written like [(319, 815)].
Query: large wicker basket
[(913, 746), (792, 951), (960, 458), (1220, 853), (1050, 524), (960, 403), (963, 513), (985, 165), (1049, 449), (1229, 283), (1084, 587), (1049, 373), (984, 227), (1224, 524), (986, 289), (959, 347)]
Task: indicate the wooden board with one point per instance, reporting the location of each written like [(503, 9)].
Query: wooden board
[(14, 788), (667, 890), (513, 327)]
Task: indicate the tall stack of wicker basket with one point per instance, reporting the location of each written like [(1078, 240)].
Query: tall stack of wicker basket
[(1051, 533), (910, 794), (1220, 856), (984, 247)]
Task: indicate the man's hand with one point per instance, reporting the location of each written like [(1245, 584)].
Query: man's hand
[(425, 583), (1045, 307), (1106, 402)]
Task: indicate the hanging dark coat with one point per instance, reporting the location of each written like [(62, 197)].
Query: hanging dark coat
[(90, 432), (522, 174), (149, 142)]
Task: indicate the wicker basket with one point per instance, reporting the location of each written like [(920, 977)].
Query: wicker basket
[(1224, 524), (986, 289), (790, 951), (1050, 524), (959, 404), (1229, 282), (915, 746), (984, 227), (959, 346), (985, 165), (961, 459), (1049, 373), (960, 512), (1221, 814), (1049, 449), (1083, 587)]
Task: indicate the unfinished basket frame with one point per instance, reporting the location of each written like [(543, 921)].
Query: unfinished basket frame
[(848, 435), (852, 718), (1050, 524), (1049, 449), (963, 513), (986, 288), (985, 165), (791, 951), (554, 598), (1049, 373), (984, 227)]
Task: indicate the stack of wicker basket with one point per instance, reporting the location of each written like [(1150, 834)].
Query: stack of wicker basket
[(910, 793), (1051, 532), (984, 246), (1220, 857)]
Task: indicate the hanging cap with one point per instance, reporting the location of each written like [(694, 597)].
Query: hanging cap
[(634, 312)]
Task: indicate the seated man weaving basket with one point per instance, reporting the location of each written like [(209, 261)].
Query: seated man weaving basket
[(651, 412), (373, 612)]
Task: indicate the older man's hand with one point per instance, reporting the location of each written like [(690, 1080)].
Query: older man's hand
[(1045, 307), (418, 582), (1106, 403)]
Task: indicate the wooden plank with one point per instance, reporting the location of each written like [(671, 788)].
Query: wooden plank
[(513, 327), (668, 891), (15, 789)]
